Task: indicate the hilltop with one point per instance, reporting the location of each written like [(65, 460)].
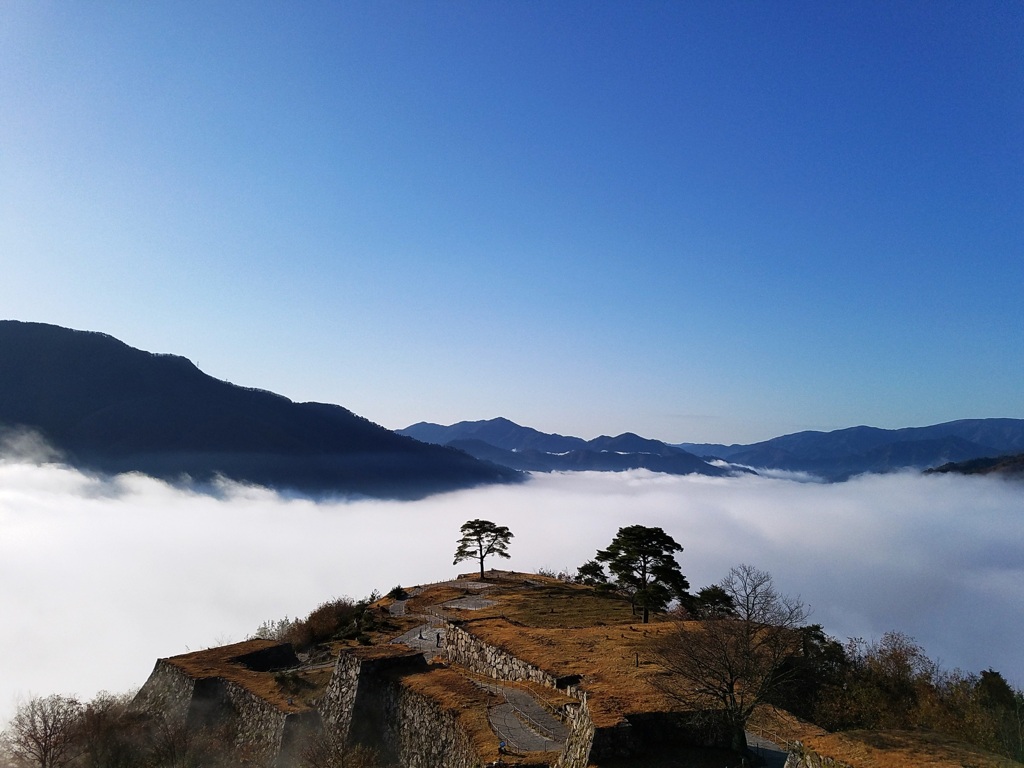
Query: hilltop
[(441, 674), (559, 673), (108, 407)]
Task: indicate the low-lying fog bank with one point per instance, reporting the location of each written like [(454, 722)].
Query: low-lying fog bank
[(99, 578)]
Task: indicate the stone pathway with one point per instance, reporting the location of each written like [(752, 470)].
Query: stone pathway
[(520, 720), (465, 584), (424, 638), (518, 736), (523, 722), (771, 753), (471, 603)]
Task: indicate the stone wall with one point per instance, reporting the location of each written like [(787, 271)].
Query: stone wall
[(423, 735), (578, 744), (338, 702), (460, 647), (358, 703), (367, 703), (168, 690), (802, 757), (259, 727), (630, 737)]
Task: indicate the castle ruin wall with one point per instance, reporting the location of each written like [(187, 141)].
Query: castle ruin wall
[(168, 691), (802, 757)]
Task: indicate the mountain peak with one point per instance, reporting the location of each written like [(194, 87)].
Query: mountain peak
[(113, 408)]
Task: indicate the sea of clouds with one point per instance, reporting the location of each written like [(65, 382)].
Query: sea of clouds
[(100, 577)]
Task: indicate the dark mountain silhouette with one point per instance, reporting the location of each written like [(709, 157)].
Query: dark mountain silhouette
[(499, 432), (631, 443), (111, 408), (835, 456), (843, 453), (1006, 466), (504, 442)]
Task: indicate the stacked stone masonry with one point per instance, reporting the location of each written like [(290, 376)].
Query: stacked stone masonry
[(259, 725), (460, 647), (579, 742), (261, 729), (366, 702), (422, 734), (339, 699), (168, 691), (802, 757)]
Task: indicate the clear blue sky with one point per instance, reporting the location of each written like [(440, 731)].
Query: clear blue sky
[(699, 221)]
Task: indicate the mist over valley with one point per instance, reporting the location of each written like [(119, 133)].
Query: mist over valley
[(101, 576), (139, 518)]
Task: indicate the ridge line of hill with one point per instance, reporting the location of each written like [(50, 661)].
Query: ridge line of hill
[(108, 407), (834, 456)]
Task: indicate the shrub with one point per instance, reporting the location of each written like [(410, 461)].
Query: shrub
[(397, 593), (325, 622)]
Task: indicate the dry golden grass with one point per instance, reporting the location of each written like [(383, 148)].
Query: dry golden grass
[(432, 597), (290, 690), (374, 652), (551, 698), (606, 658), (564, 630), (904, 749), (879, 749), (220, 662), (557, 605), (457, 694), (781, 726)]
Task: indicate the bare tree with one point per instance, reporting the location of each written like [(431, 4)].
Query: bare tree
[(328, 750), (44, 731), (726, 665), (109, 733)]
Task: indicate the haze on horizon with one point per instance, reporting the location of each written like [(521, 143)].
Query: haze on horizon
[(703, 222)]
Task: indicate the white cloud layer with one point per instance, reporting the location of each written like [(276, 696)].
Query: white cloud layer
[(98, 578)]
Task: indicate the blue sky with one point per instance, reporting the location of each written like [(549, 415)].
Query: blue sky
[(699, 221)]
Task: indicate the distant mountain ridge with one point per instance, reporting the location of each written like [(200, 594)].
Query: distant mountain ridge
[(842, 453), (506, 443), (499, 432), (833, 456), (112, 408)]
